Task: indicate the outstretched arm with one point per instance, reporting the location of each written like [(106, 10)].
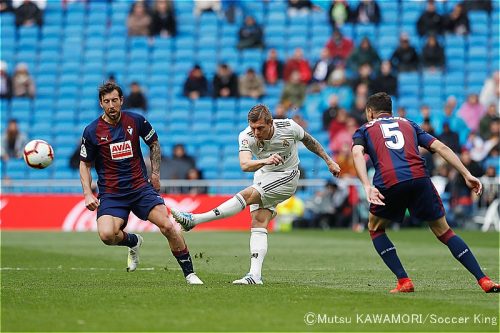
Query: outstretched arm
[(445, 152), (372, 193), (313, 145), (155, 157)]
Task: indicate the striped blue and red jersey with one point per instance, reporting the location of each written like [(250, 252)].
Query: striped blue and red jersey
[(117, 153), (392, 144)]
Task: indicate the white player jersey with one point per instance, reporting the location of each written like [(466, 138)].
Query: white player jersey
[(284, 142)]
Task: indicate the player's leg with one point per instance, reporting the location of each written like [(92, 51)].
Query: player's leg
[(427, 206), (387, 251), (461, 251), (273, 190), (112, 216), (108, 228), (228, 208), (158, 215), (111, 233), (258, 245)]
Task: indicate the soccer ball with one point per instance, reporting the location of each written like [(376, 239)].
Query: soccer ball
[(38, 154)]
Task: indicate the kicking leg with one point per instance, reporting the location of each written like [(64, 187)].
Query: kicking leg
[(387, 251), (258, 246), (462, 253), (158, 216), (228, 208)]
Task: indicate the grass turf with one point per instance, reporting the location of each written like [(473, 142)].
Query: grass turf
[(72, 282)]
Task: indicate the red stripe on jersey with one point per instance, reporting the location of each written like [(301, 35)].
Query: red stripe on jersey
[(412, 155), (136, 172), (110, 171), (386, 166), (127, 153)]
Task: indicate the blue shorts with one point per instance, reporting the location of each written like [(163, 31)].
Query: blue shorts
[(419, 196), (140, 202)]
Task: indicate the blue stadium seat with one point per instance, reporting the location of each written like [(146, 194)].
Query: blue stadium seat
[(432, 78), (203, 105), (7, 19), (477, 53), (117, 67), (16, 169), (200, 126), (181, 104), (118, 30), (226, 104), (43, 105), (47, 67), (223, 127), (28, 32), (42, 129), (226, 115), (366, 30), (208, 162), (455, 41)]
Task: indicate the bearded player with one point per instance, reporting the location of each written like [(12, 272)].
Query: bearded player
[(113, 142)]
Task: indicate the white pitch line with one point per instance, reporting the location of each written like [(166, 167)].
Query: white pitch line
[(71, 268)]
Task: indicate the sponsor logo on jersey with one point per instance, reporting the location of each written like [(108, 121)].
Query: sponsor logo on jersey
[(286, 143), (121, 150), (83, 151)]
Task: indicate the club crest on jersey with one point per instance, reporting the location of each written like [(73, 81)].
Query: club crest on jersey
[(286, 143), (244, 143), (121, 150), (130, 130)]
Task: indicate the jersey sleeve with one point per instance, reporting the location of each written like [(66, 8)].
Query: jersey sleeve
[(244, 142), (298, 131), (358, 138), (146, 131), (424, 139), (88, 150)]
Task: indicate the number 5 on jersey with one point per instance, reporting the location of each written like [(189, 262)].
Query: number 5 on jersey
[(392, 134)]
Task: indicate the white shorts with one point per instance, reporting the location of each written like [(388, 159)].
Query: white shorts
[(274, 187)]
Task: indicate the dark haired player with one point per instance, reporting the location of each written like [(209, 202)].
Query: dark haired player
[(113, 142), (401, 181)]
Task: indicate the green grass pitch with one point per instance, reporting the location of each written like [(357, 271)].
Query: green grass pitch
[(72, 282)]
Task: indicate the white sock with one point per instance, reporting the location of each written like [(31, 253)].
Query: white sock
[(228, 208), (258, 250)]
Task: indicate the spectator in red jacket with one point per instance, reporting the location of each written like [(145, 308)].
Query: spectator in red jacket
[(339, 46), (299, 64), (272, 68)]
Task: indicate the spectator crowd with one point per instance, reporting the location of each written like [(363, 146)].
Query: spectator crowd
[(343, 74)]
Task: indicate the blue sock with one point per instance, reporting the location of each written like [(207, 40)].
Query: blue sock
[(462, 253), (387, 252), (184, 259), (129, 240)]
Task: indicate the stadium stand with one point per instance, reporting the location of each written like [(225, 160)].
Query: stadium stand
[(81, 44)]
